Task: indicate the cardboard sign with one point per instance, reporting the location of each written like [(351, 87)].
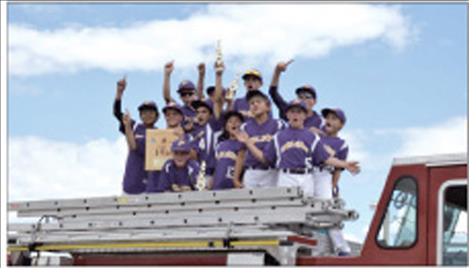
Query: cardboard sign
[(158, 148)]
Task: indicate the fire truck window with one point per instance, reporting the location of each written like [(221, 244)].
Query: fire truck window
[(399, 225), (455, 226)]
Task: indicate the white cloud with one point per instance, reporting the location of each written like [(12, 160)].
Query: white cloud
[(442, 138), (44, 169), (250, 34)]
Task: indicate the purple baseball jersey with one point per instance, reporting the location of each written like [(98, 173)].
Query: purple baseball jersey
[(340, 148), (314, 120), (204, 146), (295, 148), (262, 135), (170, 174), (226, 154), (188, 111), (135, 175)]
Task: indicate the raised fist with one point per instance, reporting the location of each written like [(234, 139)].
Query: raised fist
[(169, 67), (282, 66), (121, 84), (201, 68)]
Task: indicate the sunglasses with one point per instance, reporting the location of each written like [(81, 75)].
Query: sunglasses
[(183, 94), (306, 96)]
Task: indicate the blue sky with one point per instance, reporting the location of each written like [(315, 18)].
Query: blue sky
[(401, 86)]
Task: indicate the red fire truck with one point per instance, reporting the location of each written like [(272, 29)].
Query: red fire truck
[(422, 205)]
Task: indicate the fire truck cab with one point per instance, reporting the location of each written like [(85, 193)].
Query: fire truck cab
[(421, 217)]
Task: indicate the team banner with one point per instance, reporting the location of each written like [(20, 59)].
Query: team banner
[(158, 148)]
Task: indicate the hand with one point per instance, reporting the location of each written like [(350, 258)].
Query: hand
[(201, 68), (121, 84), (175, 188), (169, 67), (126, 119), (353, 167), (316, 131), (241, 136), (219, 69), (282, 66), (185, 188), (237, 184)]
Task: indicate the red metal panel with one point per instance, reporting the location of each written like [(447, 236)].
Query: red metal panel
[(180, 259), (439, 175)]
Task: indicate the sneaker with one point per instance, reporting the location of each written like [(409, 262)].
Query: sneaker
[(343, 253)]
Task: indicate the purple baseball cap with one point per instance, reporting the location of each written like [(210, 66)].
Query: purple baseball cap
[(148, 105), (181, 145), (297, 103), (173, 106), (307, 88), (186, 85), (338, 112), (199, 103)]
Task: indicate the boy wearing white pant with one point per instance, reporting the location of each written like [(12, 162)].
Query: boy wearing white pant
[(295, 150), (326, 177), (260, 131)]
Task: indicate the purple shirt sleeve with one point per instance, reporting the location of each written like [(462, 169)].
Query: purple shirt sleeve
[(320, 155), (279, 101)]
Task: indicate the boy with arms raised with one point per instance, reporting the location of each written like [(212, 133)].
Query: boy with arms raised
[(306, 93), (135, 176)]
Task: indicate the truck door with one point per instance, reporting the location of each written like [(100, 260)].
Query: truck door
[(451, 248)]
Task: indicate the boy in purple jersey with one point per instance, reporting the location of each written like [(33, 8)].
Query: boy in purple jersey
[(135, 176), (295, 150), (180, 173), (260, 131), (326, 177), (229, 154), (306, 93), (186, 91)]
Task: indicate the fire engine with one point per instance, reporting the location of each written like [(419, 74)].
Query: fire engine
[(423, 201)]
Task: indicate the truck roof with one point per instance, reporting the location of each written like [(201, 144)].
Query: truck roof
[(432, 160)]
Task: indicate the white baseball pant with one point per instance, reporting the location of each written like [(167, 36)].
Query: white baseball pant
[(323, 190), (256, 178)]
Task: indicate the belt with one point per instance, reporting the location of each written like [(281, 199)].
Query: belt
[(258, 168), (298, 170)]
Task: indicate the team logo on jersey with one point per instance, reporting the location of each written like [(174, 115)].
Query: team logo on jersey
[(261, 138), (294, 144), (226, 154)]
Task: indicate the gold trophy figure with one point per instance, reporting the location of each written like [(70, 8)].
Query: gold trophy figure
[(219, 60), (231, 92), (201, 183)]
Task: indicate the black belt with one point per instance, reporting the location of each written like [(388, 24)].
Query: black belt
[(258, 168), (297, 170)]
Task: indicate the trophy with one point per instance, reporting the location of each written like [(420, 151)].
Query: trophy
[(230, 94), (219, 60), (201, 184)]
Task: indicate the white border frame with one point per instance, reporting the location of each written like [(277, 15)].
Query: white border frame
[(439, 223)]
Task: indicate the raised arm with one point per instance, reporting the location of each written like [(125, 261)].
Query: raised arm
[(200, 81), (117, 107), (218, 104), (238, 168), (352, 166), (273, 89), (243, 137), (129, 134), (168, 69)]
